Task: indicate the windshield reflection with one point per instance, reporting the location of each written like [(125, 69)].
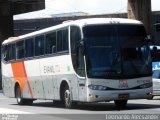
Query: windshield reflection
[(116, 51)]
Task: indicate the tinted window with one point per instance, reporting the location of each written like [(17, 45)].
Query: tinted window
[(5, 52), (116, 51), (109, 30), (65, 40), (75, 37), (39, 45), (50, 43), (20, 50), (13, 56), (59, 41), (157, 27), (62, 40), (9, 52), (29, 47), (76, 52)]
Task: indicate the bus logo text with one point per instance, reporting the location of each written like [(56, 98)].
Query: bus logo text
[(123, 84)]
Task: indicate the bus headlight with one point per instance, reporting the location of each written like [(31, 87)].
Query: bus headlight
[(97, 87), (147, 85)]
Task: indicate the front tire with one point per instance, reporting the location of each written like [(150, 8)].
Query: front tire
[(20, 100), (68, 103)]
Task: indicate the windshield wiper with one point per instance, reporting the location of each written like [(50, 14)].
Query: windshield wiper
[(111, 72), (115, 62)]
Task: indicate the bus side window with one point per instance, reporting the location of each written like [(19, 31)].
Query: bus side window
[(13, 55), (39, 45), (29, 47), (65, 40), (9, 52), (62, 40), (75, 37), (5, 53), (20, 50), (50, 43)]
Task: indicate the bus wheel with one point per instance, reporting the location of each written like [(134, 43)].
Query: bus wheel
[(19, 98), (120, 103), (68, 103)]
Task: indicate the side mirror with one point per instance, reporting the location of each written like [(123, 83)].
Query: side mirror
[(150, 40), (80, 43), (149, 37)]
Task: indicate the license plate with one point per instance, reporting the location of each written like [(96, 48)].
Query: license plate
[(123, 96)]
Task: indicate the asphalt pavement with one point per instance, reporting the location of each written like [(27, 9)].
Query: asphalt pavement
[(45, 110)]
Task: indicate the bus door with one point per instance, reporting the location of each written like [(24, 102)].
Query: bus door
[(77, 55), (81, 74), (79, 67)]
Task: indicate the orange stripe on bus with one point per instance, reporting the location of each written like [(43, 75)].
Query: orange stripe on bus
[(20, 75)]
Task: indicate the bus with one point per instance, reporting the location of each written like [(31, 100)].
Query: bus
[(155, 52), (81, 61)]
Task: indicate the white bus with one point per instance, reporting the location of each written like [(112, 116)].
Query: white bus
[(88, 60)]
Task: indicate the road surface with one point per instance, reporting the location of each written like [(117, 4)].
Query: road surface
[(46, 110)]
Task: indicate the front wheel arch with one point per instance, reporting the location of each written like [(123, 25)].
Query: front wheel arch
[(62, 86)]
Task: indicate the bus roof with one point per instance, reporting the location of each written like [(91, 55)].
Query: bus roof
[(80, 23)]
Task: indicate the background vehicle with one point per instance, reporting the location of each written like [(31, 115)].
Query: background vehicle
[(88, 60), (155, 51)]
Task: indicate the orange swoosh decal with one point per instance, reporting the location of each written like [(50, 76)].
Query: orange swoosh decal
[(20, 75)]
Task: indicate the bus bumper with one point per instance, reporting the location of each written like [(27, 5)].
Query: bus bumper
[(100, 96)]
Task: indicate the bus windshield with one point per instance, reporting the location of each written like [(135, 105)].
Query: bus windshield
[(116, 51)]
